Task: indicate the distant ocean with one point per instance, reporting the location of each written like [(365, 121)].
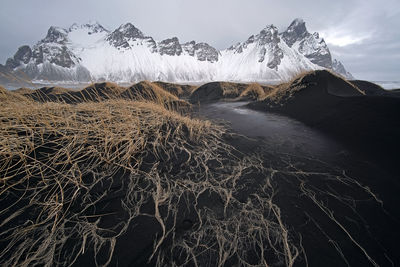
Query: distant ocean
[(389, 85)]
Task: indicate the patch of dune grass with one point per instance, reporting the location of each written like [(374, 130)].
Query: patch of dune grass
[(7, 96), (179, 90), (284, 91), (254, 91), (59, 164)]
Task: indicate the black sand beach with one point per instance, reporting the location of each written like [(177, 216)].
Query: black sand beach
[(304, 173)]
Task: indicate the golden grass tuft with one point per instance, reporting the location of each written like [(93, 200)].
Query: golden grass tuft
[(148, 90), (23, 91), (60, 164), (96, 92), (178, 90), (255, 91), (8, 96)]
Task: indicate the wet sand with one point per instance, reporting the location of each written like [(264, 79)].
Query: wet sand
[(341, 205)]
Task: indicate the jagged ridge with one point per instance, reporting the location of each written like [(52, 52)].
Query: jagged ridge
[(90, 52)]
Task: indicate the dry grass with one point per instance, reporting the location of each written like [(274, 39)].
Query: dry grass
[(255, 91), (178, 90), (284, 91), (232, 89), (98, 92), (148, 90), (23, 91), (59, 164), (7, 96)]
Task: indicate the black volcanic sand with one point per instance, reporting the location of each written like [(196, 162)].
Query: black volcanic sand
[(335, 179), (367, 123), (340, 205), (369, 88)]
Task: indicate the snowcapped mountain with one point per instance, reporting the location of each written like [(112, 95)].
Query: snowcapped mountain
[(89, 52), (312, 47)]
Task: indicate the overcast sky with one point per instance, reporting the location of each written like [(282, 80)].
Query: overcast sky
[(363, 34)]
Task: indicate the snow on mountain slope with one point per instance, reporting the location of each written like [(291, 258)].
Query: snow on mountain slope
[(263, 57), (90, 52), (310, 45)]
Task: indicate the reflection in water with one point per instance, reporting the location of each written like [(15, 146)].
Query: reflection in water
[(280, 133)]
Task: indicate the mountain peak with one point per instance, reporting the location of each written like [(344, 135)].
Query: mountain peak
[(268, 34), (270, 30), (130, 29), (297, 21), (126, 54), (55, 35), (124, 33), (170, 47), (298, 27), (91, 26), (295, 32), (310, 45)]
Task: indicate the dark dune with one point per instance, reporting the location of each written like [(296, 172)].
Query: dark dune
[(367, 123), (147, 90), (46, 94), (99, 91), (310, 157), (216, 91), (179, 90), (370, 88), (305, 173), (395, 92)]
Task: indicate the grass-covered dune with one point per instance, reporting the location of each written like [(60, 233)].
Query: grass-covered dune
[(217, 91), (360, 114), (99, 92), (92, 178), (179, 90)]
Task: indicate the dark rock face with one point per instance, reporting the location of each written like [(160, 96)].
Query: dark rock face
[(310, 45), (37, 55), (296, 31), (268, 41), (189, 47), (203, 51), (151, 44), (126, 32), (316, 50), (170, 47), (338, 67), (59, 55), (52, 49), (267, 35), (23, 55), (63, 58), (55, 35), (93, 27)]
